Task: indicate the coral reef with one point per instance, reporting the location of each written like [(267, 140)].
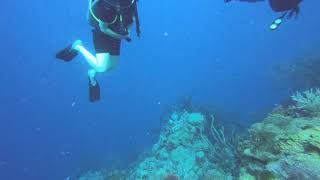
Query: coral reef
[(189, 147), (285, 145), (308, 101), (182, 152)]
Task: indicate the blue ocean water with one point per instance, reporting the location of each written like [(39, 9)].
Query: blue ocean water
[(219, 54)]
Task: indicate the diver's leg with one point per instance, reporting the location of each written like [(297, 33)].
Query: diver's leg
[(101, 62), (106, 62), (92, 76), (94, 88), (90, 58)]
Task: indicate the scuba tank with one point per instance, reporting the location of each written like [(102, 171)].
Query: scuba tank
[(136, 15)]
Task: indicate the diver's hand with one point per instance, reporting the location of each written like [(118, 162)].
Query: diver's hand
[(103, 26), (125, 37)]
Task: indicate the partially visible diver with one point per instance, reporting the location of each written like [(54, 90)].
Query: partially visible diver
[(288, 8), (111, 22)]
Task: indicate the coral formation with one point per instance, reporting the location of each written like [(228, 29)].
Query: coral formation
[(308, 101), (183, 151), (285, 145)]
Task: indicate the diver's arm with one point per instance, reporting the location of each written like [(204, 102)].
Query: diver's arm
[(129, 29), (104, 28)]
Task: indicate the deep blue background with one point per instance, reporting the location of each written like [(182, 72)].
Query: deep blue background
[(221, 55)]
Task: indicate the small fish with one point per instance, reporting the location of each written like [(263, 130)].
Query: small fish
[(73, 104)]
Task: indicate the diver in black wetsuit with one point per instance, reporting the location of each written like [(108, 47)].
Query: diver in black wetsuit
[(111, 21), (289, 8)]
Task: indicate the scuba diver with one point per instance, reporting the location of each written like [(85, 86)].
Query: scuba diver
[(289, 9), (111, 22)]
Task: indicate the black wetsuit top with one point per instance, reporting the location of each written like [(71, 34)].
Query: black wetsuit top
[(109, 14)]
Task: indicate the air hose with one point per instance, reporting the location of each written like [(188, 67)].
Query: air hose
[(91, 12), (95, 17), (115, 19)]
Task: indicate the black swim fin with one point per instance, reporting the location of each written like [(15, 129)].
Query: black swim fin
[(94, 92), (67, 54)]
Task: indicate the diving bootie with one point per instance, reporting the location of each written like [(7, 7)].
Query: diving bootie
[(94, 90), (69, 53)]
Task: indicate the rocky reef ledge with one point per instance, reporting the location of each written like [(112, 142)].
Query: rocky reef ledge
[(182, 152), (285, 145)]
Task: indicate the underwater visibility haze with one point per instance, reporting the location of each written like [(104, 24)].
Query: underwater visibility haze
[(206, 82)]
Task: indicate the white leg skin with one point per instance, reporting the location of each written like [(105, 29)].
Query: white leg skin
[(107, 62), (100, 63), (92, 76), (91, 59)]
